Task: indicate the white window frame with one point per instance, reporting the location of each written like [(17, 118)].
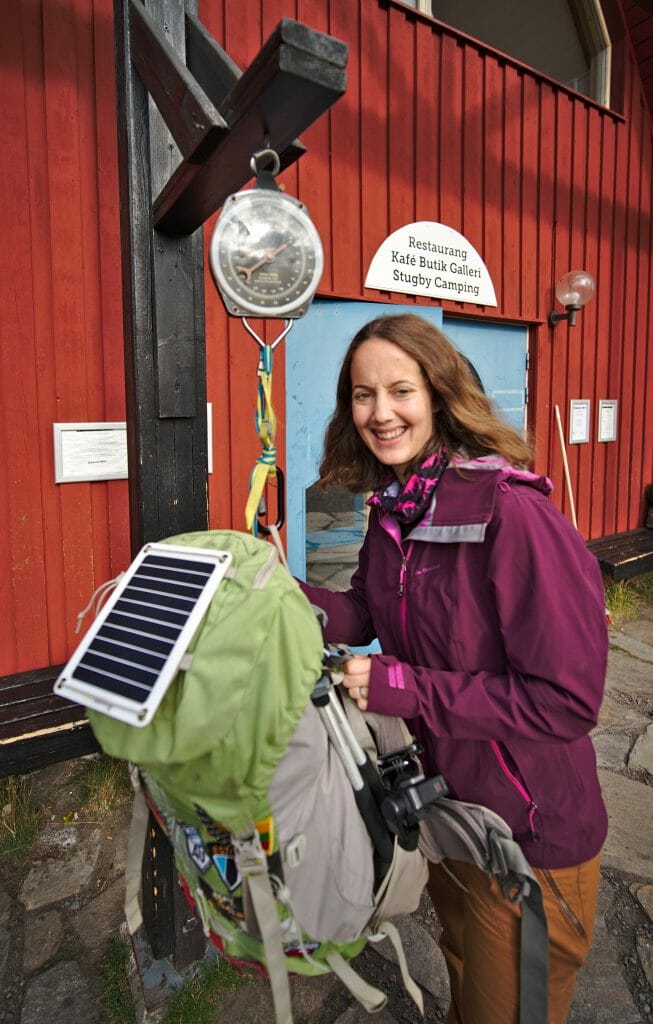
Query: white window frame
[(594, 36), (594, 33)]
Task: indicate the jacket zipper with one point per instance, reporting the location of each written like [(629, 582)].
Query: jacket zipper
[(564, 906), (402, 575), (401, 594), (519, 786)]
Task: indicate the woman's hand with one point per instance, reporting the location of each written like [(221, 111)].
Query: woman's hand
[(357, 678)]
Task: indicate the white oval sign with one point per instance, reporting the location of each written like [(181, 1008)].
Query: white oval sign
[(431, 259)]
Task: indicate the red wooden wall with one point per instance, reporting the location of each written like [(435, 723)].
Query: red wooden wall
[(434, 127), (60, 319)]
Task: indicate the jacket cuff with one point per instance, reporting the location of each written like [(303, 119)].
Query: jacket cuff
[(392, 688)]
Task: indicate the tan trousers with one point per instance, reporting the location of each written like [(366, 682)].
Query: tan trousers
[(480, 939)]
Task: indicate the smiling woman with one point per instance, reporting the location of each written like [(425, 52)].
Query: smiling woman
[(489, 611), (391, 404), (401, 374)]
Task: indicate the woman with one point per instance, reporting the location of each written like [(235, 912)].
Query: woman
[(490, 615)]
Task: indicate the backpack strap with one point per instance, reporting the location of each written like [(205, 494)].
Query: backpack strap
[(414, 991), (468, 832), (370, 998), (251, 862), (476, 835), (135, 848), (520, 885)]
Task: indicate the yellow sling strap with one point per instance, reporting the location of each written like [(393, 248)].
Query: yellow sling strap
[(266, 425)]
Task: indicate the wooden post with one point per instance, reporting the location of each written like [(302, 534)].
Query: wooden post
[(188, 124)]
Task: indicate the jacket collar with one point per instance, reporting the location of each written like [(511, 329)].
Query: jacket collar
[(463, 503)]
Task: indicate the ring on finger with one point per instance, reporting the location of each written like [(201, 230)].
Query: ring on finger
[(363, 692)]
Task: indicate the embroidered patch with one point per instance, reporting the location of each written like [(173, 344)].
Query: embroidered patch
[(227, 867), (196, 849), (217, 832), (265, 829)]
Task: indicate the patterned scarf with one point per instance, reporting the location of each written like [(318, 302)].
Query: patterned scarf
[(409, 502)]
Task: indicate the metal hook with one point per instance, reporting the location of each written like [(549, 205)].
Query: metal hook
[(270, 155), (259, 341), (281, 505)]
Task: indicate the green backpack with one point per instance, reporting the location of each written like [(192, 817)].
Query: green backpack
[(237, 763)]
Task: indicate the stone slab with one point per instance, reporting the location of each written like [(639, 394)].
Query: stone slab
[(357, 1015), (645, 953), (252, 1004), (6, 905), (41, 939), (5, 908), (644, 896), (617, 716), (602, 995), (60, 996), (641, 628), (629, 845), (318, 521), (631, 645), (641, 756), (426, 962), (100, 919), (611, 749), (4, 953), (56, 879), (627, 672)]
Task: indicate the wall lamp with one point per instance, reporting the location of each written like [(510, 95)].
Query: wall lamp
[(573, 290)]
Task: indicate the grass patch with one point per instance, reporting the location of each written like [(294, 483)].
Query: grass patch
[(117, 1005), (200, 997), (105, 783), (643, 587), (624, 598), (19, 819)]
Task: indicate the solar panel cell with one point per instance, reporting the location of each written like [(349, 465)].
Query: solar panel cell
[(133, 651)]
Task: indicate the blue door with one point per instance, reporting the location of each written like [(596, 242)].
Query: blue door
[(498, 352), (314, 351)]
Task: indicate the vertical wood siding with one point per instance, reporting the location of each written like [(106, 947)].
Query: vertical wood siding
[(60, 317), (433, 127), (437, 127)]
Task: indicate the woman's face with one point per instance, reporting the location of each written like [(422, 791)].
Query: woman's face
[(391, 403)]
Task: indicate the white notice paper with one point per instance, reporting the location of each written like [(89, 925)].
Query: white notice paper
[(90, 451)]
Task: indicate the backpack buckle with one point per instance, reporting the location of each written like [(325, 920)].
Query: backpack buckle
[(515, 887), (249, 854)]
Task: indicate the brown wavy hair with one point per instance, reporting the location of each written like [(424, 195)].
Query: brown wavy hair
[(465, 420)]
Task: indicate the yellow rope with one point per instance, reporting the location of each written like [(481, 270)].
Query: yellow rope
[(266, 425)]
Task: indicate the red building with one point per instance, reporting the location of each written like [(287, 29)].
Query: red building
[(540, 177)]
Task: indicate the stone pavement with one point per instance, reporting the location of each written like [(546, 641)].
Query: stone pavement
[(59, 912)]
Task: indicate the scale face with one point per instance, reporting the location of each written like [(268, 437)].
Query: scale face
[(265, 254)]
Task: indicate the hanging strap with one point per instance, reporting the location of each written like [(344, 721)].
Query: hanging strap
[(520, 885), (134, 859), (411, 986), (251, 862), (266, 425), (370, 998)]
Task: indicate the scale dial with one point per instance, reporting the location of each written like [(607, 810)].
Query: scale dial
[(266, 255)]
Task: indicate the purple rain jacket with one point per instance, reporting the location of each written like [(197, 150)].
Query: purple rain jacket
[(491, 619)]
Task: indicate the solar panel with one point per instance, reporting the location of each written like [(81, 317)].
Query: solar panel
[(133, 650)]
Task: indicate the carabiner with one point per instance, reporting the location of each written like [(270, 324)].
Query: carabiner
[(281, 505)]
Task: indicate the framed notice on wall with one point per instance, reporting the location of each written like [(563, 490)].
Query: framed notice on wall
[(579, 420), (607, 419)]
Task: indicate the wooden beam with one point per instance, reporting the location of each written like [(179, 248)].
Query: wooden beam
[(217, 74), (298, 74), (191, 117)]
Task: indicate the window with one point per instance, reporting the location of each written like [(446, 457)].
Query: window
[(567, 40)]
